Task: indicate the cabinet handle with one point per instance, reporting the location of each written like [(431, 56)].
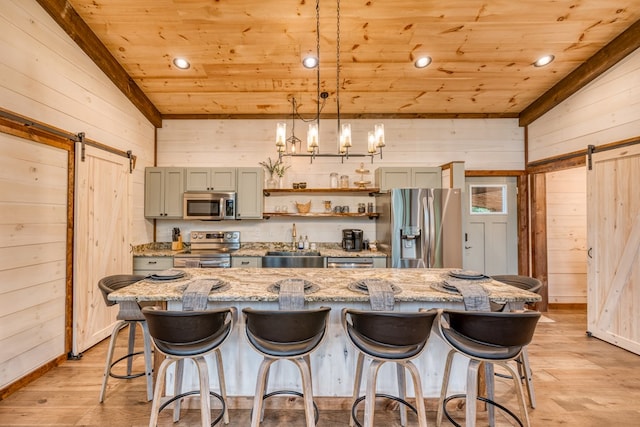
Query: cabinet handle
[(153, 262), (245, 263)]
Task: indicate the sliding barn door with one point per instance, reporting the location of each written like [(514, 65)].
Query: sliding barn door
[(613, 223), (101, 243)]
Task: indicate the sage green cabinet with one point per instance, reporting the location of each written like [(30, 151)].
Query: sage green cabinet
[(163, 189), (147, 265), (246, 262), (403, 177), (210, 179), (249, 198)]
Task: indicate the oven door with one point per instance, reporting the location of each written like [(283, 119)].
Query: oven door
[(202, 262)]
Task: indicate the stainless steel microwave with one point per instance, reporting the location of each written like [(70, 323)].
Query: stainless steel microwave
[(206, 205)]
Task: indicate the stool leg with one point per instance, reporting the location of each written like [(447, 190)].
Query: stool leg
[(417, 385), (528, 376), (307, 391), (357, 381), (205, 400), (148, 360), (445, 386), (491, 391), (107, 368), (472, 393), (223, 385), (266, 388), (402, 392), (177, 388), (132, 345), (370, 400), (521, 401), (157, 394), (260, 387)]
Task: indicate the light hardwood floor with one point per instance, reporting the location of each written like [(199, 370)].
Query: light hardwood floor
[(579, 381)]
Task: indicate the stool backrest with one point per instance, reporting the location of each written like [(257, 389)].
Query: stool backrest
[(286, 326), (187, 327), (507, 329), (393, 327), (109, 284), (527, 283)]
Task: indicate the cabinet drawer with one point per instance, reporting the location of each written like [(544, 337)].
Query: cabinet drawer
[(246, 262), (156, 263)]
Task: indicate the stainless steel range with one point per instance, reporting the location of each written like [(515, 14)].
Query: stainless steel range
[(209, 249)]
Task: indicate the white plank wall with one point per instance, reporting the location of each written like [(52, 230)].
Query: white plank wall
[(33, 219), (45, 76), (480, 143), (567, 236), (605, 111)]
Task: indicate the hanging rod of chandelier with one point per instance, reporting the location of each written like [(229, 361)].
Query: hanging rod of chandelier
[(291, 146)]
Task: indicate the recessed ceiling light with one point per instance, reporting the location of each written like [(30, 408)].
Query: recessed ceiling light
[(422, 62), (544, 60), (181, 63), (310, 61)]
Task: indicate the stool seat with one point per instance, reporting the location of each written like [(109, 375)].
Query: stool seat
[(129, 314), (181, 335), (534, 285), (285, 335), (388, 336), (492, 338)]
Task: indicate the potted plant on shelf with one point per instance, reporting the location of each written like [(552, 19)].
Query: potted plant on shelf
[(276, 168)]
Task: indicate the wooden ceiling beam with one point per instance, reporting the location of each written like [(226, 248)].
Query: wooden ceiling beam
[(68, 19), (595, 66)]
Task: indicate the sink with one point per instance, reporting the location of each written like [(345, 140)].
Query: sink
[(292, 253), (291, 259)]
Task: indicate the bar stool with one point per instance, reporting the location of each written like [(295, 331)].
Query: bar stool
[(534, 285), (285, 335), (129, 314), (388, 336), (484, 337), (181, 335)]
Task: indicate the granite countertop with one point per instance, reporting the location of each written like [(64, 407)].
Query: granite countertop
[(251, 249), (252, 285)]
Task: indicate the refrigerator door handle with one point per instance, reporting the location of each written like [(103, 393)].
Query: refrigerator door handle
[(426, 235), (432, 232)]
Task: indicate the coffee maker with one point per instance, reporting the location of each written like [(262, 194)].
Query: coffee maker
[(352, 239)]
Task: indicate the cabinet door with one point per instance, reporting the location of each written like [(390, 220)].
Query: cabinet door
[(198, 179), (246, 262), (388, 178), (153, 192), (223, 179), (249, 197), (426, 177), (173, 190)]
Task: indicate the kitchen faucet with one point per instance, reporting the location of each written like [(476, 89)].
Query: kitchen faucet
[(293, 236)]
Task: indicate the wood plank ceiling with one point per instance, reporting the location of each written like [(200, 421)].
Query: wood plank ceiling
[(246, 54)]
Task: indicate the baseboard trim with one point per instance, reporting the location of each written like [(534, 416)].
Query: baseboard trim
[(30, 377)]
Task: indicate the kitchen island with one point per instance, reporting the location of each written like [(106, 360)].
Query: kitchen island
[(333, 364)]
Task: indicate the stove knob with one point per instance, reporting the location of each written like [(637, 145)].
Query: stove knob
[(236, 235), (227, 236)]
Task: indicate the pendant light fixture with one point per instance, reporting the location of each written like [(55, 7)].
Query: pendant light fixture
[(290, 146)]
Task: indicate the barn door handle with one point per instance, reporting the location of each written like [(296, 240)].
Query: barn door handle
[(589, 253)]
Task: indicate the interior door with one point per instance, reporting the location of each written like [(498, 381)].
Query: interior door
[(613, 235), (101, 242), (491, 225)]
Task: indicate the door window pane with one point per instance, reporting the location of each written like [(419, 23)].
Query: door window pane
[(488, 199)]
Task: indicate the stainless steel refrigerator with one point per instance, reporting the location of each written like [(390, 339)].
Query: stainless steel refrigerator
[(420, 227)]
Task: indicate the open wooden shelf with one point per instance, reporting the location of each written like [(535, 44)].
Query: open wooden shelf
[(372, 215), (368, 190)]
